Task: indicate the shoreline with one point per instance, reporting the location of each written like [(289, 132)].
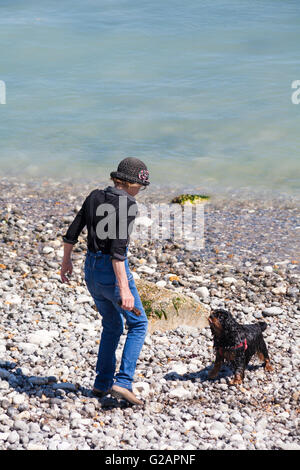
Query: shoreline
[(244, 193), (235, 227)]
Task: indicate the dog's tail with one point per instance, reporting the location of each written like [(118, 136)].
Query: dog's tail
[(263, 325)]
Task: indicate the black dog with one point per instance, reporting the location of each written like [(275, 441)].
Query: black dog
[(236, 343)]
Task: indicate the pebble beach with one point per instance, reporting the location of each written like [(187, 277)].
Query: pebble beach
[(49, 331)]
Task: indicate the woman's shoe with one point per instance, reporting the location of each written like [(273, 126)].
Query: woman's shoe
[(100, 393), (125, 394)]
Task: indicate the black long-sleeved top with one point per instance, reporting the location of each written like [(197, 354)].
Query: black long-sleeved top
[(108, 215)]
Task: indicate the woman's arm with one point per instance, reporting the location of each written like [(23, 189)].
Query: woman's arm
[(67, 266), (125, 292), (70, 239), (77, 225)]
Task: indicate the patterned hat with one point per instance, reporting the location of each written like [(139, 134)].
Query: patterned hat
[(132, 170)]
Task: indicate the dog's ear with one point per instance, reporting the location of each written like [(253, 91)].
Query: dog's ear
[(221, 312)]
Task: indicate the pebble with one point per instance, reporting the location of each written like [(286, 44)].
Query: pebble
[(229, 280), (161, 283), (179, 392), (27, 348), (202, 292), (217, 429), (268, 269), (142, 388), (42, 337), (271, 311), (13, 299), (146, 269), (81, 299), (280, 289), (48, 249), (13, 437)]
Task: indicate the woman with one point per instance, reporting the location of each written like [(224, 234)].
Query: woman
[(109, 215)]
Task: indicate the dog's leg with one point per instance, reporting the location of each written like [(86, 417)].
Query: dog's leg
[(263, 355), (238, 378), (239, 365), (217, 366)]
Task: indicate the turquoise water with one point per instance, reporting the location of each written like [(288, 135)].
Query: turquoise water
[(200, 90)]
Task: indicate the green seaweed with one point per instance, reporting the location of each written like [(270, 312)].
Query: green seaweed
[(147, 304), (150, 312), (176, 302), (192, 198)]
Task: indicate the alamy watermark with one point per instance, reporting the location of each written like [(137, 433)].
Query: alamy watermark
[(2, 92), (152, 222), (296, 94)]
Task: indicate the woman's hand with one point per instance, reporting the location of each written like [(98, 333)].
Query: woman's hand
[(127, 298), (66, 268), (125, 292)]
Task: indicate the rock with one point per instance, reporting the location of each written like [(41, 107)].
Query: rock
[(290, 446), (161, 283), (191, 424), (261, 424), (64, 446), (196, 278), (237, 439), (24, 268), (143, 388), (34, 428), (217, 429), (13, 437), (179, 392), (18, 399), (29, 283), (272, 311), (280, 289), (167, 309), (229, 280), (268, 269), (4, 436), (36, 446), (178, 368), (20, 425), (13, 299), (42, 337), (21, 223), (202, 292), (82, 299), (236, 418), (27, 348), (146, 270), (193, 296), (47, 249)]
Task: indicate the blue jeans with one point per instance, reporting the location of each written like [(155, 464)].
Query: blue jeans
[(102, 284)]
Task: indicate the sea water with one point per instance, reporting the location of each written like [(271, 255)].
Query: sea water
[(205, 92)]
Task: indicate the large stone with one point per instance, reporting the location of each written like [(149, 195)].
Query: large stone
[(167, 309)]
